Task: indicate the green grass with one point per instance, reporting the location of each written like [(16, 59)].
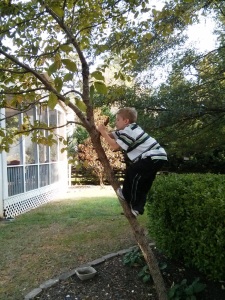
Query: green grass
[(57, 237)]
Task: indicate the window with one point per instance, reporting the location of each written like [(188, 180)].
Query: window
[(42, 116), (14, 156), (32, 165), (30, 147), (53, 123)]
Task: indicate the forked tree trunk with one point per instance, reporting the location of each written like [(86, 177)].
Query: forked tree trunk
[(138, 231)]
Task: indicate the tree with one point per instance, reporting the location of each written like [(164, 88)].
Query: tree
[(46, 50)]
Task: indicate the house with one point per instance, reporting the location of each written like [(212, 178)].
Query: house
[(32, 174)]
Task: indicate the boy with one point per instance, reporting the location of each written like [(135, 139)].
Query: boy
[(144, 152)]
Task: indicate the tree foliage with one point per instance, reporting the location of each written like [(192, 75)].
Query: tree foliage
[(88, 158), (47, 48), (47, 53), (186, 112)]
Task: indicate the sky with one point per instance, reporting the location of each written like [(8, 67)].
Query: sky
[(201, 38), (201, 35)]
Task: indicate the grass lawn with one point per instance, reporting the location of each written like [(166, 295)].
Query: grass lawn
[(57, 237)]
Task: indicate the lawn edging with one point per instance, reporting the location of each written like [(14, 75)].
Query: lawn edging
[(64, 276)]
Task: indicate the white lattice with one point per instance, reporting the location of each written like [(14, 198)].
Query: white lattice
[(21, 203)]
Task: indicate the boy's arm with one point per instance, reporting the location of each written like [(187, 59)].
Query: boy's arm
[(108, 137), (111, 135)]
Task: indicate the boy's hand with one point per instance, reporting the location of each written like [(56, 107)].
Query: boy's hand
[(101, 128), (108, 137)]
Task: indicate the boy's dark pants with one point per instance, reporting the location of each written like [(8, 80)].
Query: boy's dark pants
[(138, 180)]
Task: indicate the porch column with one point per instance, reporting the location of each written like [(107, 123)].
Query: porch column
[(1, 187), (3, 170)]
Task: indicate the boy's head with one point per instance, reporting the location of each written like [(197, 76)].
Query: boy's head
[(125, 116)]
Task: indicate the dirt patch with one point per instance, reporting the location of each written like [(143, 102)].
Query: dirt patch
[(115, 281), (79, 191)]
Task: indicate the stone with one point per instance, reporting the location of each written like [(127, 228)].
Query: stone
[(33, 293), (49, 283)]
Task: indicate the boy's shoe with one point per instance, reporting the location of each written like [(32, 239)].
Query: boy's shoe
[(120, 194), (134, 212)]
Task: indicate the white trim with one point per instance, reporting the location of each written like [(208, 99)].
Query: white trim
[(22, 203), (3, 172), (1, 188)]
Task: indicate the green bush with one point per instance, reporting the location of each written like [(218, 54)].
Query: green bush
[(185, 291), (187, 220)]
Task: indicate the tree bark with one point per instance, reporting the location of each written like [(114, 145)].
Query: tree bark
[(138, 231)]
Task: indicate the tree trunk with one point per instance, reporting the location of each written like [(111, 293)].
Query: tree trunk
[(139, 232)]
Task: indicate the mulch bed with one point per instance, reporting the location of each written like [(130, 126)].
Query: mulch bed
[(115, 281)]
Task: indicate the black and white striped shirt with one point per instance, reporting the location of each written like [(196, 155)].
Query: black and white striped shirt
[(138, 144)]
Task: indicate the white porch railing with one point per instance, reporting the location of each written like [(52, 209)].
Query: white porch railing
[(22, 179), (32, 185)]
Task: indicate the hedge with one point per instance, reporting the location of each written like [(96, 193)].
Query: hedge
[(187, 220)]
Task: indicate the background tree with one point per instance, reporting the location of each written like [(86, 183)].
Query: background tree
[(89, 158), (186, 112)]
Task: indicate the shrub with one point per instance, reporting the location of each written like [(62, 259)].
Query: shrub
[(187, 220), (135, 258), (185, 291)]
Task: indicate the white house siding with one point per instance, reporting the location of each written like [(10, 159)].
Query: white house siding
[(32, 174)]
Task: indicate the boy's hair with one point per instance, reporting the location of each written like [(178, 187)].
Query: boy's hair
[(129, 113)]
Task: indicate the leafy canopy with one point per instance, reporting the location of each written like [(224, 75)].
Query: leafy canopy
[(46, 51)]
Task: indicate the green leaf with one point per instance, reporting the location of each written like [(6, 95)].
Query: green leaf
[(147, 36), (58, 84), (68, 77), (136, 15), (57, 10), (98, 75), (146, 278), (65, 48), (63, 149), (198, 286), (70, 65), (67, 101), (162, 265), (52, 68), (189, 290), (100, 87), (52, 101), (81, 105), (2, 133)]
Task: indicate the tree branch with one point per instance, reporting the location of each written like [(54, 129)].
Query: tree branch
[(49, 88), (85, 68), (13, 71), (22, 92), (22, 22), (73, 91)]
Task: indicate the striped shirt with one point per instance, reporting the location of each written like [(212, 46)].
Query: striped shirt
[(138, 144)]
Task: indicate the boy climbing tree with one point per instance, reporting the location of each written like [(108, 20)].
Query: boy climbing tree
[(146, 157)]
